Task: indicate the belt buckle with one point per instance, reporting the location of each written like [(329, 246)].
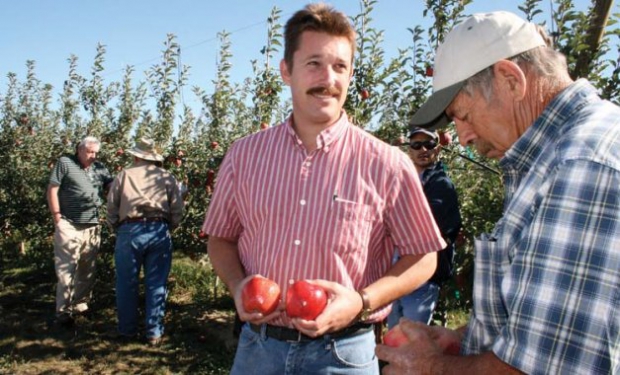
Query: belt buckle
[(298, 338)]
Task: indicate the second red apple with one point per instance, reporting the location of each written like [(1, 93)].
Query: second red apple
[(305, 300)]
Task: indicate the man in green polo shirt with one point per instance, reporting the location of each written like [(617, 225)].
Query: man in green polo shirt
[(74, 193)]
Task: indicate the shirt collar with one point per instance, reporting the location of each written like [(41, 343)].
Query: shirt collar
[(548, 126), (326, 137)]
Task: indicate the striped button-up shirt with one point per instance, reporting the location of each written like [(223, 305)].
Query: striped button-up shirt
[(80, 189), (335, 213), (547, 280)]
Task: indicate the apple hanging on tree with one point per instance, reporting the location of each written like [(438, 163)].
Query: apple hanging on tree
[(305, 300), (365, 94), (429, 71)]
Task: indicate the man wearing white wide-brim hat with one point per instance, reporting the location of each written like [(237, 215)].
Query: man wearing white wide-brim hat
[(144, 206), (545, 298)]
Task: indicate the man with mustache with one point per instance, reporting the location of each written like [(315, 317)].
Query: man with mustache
[(317, 198), (546, 284)]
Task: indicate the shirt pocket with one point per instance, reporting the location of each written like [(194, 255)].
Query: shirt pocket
[(352, 226)]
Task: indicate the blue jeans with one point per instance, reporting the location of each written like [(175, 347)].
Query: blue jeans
[(149, 245), (417, 305), (258, 354)]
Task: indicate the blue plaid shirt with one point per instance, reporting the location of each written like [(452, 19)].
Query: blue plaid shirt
[(547, 279)]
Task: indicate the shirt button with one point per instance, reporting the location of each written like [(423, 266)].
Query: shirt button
[(308, 164), (297, 242), (302, 202)]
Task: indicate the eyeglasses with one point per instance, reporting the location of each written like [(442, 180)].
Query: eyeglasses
[(429, 145)]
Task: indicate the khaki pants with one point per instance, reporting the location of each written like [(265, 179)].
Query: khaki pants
[(75, 255)]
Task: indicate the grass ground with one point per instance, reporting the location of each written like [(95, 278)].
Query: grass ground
[(198, 335)]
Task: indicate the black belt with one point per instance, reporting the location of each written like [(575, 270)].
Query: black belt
[(144, 220), (293, 335)]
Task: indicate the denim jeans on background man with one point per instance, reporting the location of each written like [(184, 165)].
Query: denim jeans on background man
[(417, 305), (140, 244), (259, 354)]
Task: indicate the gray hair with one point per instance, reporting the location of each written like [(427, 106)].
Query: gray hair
[(89, 140), (546, 63)]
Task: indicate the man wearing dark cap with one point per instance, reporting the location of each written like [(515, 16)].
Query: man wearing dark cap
[(144, 206), (441, 194), (546, 278)]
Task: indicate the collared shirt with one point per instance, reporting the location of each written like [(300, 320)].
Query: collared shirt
[(334, 213), (79, 189), (145, 190), (547, 280)]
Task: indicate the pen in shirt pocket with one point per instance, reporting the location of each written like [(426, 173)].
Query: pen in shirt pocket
[(336, 198)]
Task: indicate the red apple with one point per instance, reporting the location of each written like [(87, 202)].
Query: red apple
[(260, 294), (214, 145), (445, 138), (120, 152), (305, 300), (395, 337), (210, 178), (178, 162), (264, 125), (429, 71), (365, 94)]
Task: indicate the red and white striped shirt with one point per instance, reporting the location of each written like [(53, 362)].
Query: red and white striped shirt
[(335, 213)]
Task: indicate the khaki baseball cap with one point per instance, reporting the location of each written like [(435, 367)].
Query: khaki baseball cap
[(472, 46)]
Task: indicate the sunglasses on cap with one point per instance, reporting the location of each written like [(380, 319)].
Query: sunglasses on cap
[(429, 145)]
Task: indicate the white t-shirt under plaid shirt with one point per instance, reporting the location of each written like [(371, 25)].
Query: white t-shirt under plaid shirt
[(325, 214), (546, 286)]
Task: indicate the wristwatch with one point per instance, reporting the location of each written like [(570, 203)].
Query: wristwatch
[(366, 311)]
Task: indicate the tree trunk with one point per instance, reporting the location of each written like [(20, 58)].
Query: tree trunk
[(598, 21)]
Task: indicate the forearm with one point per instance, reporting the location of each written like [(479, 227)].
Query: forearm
[(53, 203), (485, 363), (406, 275), (225, 260)]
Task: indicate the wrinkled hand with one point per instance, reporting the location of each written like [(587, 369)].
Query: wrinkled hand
[(343, 306), (424, 350), (254, 317)]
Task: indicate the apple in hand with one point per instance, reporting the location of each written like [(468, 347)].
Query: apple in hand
[(261, 295), (305, 300), (395, 337)]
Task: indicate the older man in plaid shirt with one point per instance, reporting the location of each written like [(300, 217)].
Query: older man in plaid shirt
[(547, 278)]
